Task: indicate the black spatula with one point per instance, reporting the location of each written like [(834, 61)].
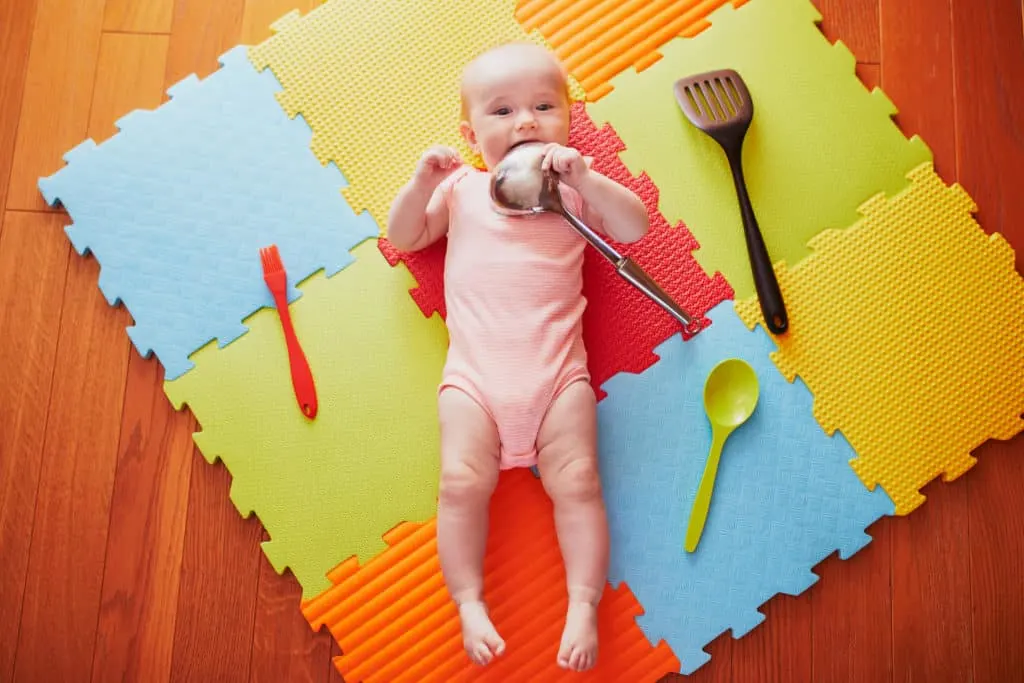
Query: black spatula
[(718, 103)]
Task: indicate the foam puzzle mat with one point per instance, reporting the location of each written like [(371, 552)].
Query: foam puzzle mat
[(374, 123), (177, 204), (620, 325), (814, 122), (394, 621), (784, 499), (936, 325), (328, 488), (597, 39)]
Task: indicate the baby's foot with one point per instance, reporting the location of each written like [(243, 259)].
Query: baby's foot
[(578, 651), (479, 636)]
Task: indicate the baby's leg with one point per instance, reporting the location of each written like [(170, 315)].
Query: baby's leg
[(567, 445), (469, 473)]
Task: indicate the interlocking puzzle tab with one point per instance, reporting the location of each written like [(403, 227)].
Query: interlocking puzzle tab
[(785, 497), (379, 87), (328, 488), (395, 622), (176, 206), (814, 122), (597, 39), (908, 328)]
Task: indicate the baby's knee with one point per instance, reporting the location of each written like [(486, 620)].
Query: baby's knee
[(578, 480), (462, 483)]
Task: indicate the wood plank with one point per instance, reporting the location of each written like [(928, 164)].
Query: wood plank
[(855, 22), (135, 635), (989, 77), (16, 20), (931, 589), (260, 14), (65, 568), (335, 675), (779, 650), (852, 613), (129, 75), (201, 32), (132, 16), (930, 586), (58, 91), (219, 575), (917, 74), (284, 647), (33, 269)]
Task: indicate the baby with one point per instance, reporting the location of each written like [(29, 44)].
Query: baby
[(515, 389)]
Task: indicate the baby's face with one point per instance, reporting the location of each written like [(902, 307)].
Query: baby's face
[(514, 94)]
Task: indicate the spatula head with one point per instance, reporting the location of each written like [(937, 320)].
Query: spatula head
[(716, 102)]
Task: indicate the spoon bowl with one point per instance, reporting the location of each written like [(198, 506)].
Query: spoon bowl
[(730, 396)]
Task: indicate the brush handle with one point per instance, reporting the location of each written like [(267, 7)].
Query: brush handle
[(765, 282), (302, 376)]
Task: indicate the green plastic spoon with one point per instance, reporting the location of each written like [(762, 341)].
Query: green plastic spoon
[(730, 395)]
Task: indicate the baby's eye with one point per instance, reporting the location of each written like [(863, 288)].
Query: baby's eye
[(503, 111), (545, 106)]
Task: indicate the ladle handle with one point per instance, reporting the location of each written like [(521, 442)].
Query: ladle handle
[(606, 250)]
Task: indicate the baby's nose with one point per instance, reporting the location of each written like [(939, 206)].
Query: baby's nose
[(525, 119)]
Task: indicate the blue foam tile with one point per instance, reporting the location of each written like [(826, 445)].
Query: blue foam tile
[(785, 497), (176, 205)]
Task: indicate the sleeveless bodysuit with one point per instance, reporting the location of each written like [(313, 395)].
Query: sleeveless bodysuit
[(513, 292)]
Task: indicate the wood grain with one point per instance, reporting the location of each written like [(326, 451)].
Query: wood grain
[(132, 16), (135, 633), (33, 269), (852, 613), (213, 631), (54, 113), (202, 31), (258, 15), (284, 647), (855, 22), (988, 47), (779, 650), (129, 75), (69, 538), (16, 20)]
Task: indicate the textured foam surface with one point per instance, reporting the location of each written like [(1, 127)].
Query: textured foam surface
[(621, 326), (395, 622), (176, 206), (328, 488), (379, 86), (819, 145), (908, 328), (785, 497), (597, 39)]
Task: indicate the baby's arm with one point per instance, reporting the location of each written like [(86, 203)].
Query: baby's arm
[(622, 213), (419, 214)]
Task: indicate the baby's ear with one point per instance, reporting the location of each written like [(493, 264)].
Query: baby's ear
[(469, 134)]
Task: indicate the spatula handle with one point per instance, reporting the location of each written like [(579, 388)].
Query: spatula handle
[(765, 282)]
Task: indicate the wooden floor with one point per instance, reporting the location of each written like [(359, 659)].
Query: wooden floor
[(123, 558)]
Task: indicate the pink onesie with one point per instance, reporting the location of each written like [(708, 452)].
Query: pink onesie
[(513, 290)]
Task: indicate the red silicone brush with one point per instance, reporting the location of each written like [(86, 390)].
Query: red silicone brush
[(302, 379)]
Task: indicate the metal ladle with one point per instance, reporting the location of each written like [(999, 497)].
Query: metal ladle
[(520, 187)]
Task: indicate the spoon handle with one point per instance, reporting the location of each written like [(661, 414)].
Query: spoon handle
[(596, 241), (701, 504)]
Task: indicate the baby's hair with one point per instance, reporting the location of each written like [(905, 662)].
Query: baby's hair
[(520, 43)]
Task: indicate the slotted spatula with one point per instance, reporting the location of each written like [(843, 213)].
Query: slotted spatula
[(718, 103)]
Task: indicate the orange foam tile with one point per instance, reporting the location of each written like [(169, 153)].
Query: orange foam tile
[(395, 623)]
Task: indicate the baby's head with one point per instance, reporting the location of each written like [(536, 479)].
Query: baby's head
[(517, 92)]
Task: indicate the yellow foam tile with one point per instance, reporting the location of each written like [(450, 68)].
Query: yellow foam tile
[(908, 328), (819, 145), (329, 488), (378, 82)]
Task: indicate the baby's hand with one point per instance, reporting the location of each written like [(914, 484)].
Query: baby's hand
[(436, 164), (567, 162)]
